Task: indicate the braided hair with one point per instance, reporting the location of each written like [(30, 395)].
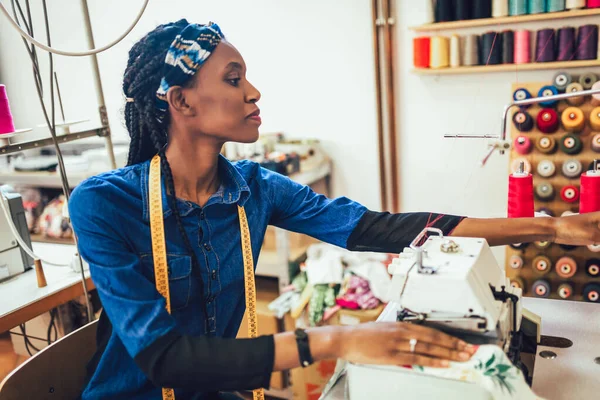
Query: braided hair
[(149, 134)]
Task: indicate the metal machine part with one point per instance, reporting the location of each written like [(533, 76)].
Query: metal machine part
[(13, 260)]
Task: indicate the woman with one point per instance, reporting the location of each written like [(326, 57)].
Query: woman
[(187, 95)]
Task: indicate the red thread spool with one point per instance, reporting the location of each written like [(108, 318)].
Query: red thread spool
[(6, 121), (593, 3), (569, 194), (590, 192), (520, 194), (523, 145), (421, 51), (547, 120)]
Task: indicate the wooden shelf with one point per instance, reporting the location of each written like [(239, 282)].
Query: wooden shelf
[(441, 26), (508, 67), (43, 239)]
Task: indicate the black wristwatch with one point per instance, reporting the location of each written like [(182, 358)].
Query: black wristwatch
[(303, 348)]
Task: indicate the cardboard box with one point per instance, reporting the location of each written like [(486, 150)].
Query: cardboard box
[(308, 383), (296, 240)]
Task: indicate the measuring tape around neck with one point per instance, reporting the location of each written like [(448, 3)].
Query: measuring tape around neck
[(161, 274)]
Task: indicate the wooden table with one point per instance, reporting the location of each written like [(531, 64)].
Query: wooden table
[(22, 300)]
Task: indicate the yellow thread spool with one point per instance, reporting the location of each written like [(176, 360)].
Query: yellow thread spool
[(440, 57)]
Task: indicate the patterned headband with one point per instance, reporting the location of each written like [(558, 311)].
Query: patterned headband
[(190, 49)]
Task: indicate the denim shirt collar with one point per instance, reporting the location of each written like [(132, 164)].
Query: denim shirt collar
[(233, 189)]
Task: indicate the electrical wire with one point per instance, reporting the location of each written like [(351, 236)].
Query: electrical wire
[(15, 232), (48, 48)]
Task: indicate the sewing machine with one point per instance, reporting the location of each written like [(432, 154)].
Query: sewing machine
[(13, 260), (454, 285)]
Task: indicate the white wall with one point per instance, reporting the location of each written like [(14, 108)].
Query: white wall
[(312, 60)]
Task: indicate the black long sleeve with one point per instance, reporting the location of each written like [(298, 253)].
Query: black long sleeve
[(391, 233), (208, 364)]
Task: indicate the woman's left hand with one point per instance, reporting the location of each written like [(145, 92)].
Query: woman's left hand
[(577, 230)]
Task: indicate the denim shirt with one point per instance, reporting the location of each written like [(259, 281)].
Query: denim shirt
[(110, 216)]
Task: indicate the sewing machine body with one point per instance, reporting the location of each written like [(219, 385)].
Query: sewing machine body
[(13, 260), (455, 285)]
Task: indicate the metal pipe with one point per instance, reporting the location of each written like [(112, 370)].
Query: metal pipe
[(391, 100), (380, 138), (97, 81)]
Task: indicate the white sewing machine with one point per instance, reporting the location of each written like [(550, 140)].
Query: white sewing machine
[(13, 260), (455, 285)]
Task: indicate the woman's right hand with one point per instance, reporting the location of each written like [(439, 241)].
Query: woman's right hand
[(389, 343)]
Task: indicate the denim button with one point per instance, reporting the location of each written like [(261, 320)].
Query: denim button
[(214, 274), (202, 215), (207, 247)]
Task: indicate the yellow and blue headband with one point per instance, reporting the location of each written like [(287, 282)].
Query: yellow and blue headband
[(190, 49)]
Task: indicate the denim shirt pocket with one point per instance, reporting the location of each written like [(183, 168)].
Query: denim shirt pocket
[(180, 278)]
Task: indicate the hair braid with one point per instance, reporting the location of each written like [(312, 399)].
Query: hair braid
[(149, 136)]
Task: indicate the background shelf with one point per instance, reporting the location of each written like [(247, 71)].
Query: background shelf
[(440, 26), (508, 67)]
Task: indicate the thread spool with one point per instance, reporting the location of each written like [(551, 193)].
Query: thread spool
[(590, 191), (547, 120), (587, 80), (565, 291), (520, 194), (570, 144), (542, 245), (566, 267), (39, 273), (517, 7), (546, 91), (421, 52), (595, 143), (471, 50), (594, 248), (573, 119), (595, 119), (536, 6), (439, 55), (522, 47), (567, 247), (591, 292), (575, 87), (455, 51), (499, 8), (541, 265), (516, 164), (491, 49), (482, 9), (515, 262), (546, 145), (522, 145), (593, 166), (518, 283), (508, 47), (544, 48), (541, 288), (566, 44), (443, 11), (7, 124), (462, 9), (593, 4), (523, 121), (555, 5), (519, 246), (569, 194), (587, 42), (595, 101), (544, 191), (545, 211), (522, 94), (592, 267), (546, 168), (572, 168), (428, 15), (561, 81), (574, 4)]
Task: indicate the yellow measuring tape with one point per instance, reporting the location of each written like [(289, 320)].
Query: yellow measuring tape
[(161, 274)]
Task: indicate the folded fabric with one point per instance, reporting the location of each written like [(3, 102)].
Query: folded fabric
[(489, 368)]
